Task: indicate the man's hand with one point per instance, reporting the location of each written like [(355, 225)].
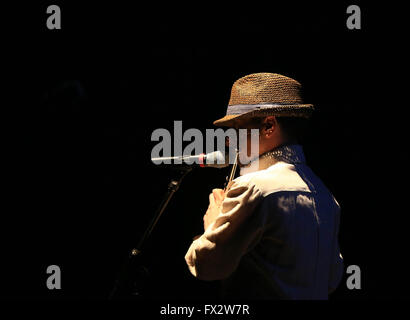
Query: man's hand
[(214, 208)]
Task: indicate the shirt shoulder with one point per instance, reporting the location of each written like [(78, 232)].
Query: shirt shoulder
[(279, 177)]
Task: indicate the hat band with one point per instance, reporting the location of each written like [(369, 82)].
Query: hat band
[(243, 108)]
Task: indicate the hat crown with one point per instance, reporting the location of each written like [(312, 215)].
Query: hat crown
[(264, 88)]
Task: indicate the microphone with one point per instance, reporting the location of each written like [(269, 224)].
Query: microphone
[(216, 159)]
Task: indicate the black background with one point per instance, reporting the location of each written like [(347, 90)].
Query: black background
[(79, 186)]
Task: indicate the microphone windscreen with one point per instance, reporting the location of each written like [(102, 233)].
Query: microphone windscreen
[(217, 159)]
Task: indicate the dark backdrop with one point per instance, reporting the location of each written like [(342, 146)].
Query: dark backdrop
[(79, 184)]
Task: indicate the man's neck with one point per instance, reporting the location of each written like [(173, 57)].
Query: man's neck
[(283, 152)]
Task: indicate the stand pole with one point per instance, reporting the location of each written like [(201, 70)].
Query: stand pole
[(133, 275)]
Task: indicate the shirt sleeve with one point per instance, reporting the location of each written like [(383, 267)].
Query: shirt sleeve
[(217, 252)]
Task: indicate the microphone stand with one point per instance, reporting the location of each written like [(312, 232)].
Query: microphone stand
[(133, 276)]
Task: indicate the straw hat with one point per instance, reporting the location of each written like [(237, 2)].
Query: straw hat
[(263, 94)]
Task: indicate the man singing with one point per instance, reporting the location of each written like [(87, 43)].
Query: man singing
[(273, 234)]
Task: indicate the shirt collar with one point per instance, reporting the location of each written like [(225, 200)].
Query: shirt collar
[(292, 153)]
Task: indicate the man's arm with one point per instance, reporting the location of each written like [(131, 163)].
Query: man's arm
[(217, 252)]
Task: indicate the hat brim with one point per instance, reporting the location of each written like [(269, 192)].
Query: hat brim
[(301, 110)]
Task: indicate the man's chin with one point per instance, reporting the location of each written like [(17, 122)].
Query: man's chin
[(242, 165)]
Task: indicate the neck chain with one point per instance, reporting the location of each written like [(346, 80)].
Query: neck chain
[(285, 153)]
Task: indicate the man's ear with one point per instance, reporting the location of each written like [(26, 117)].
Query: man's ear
[(269, 125)]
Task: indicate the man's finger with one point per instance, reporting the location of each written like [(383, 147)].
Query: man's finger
[(219, 195), (211, 199)]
